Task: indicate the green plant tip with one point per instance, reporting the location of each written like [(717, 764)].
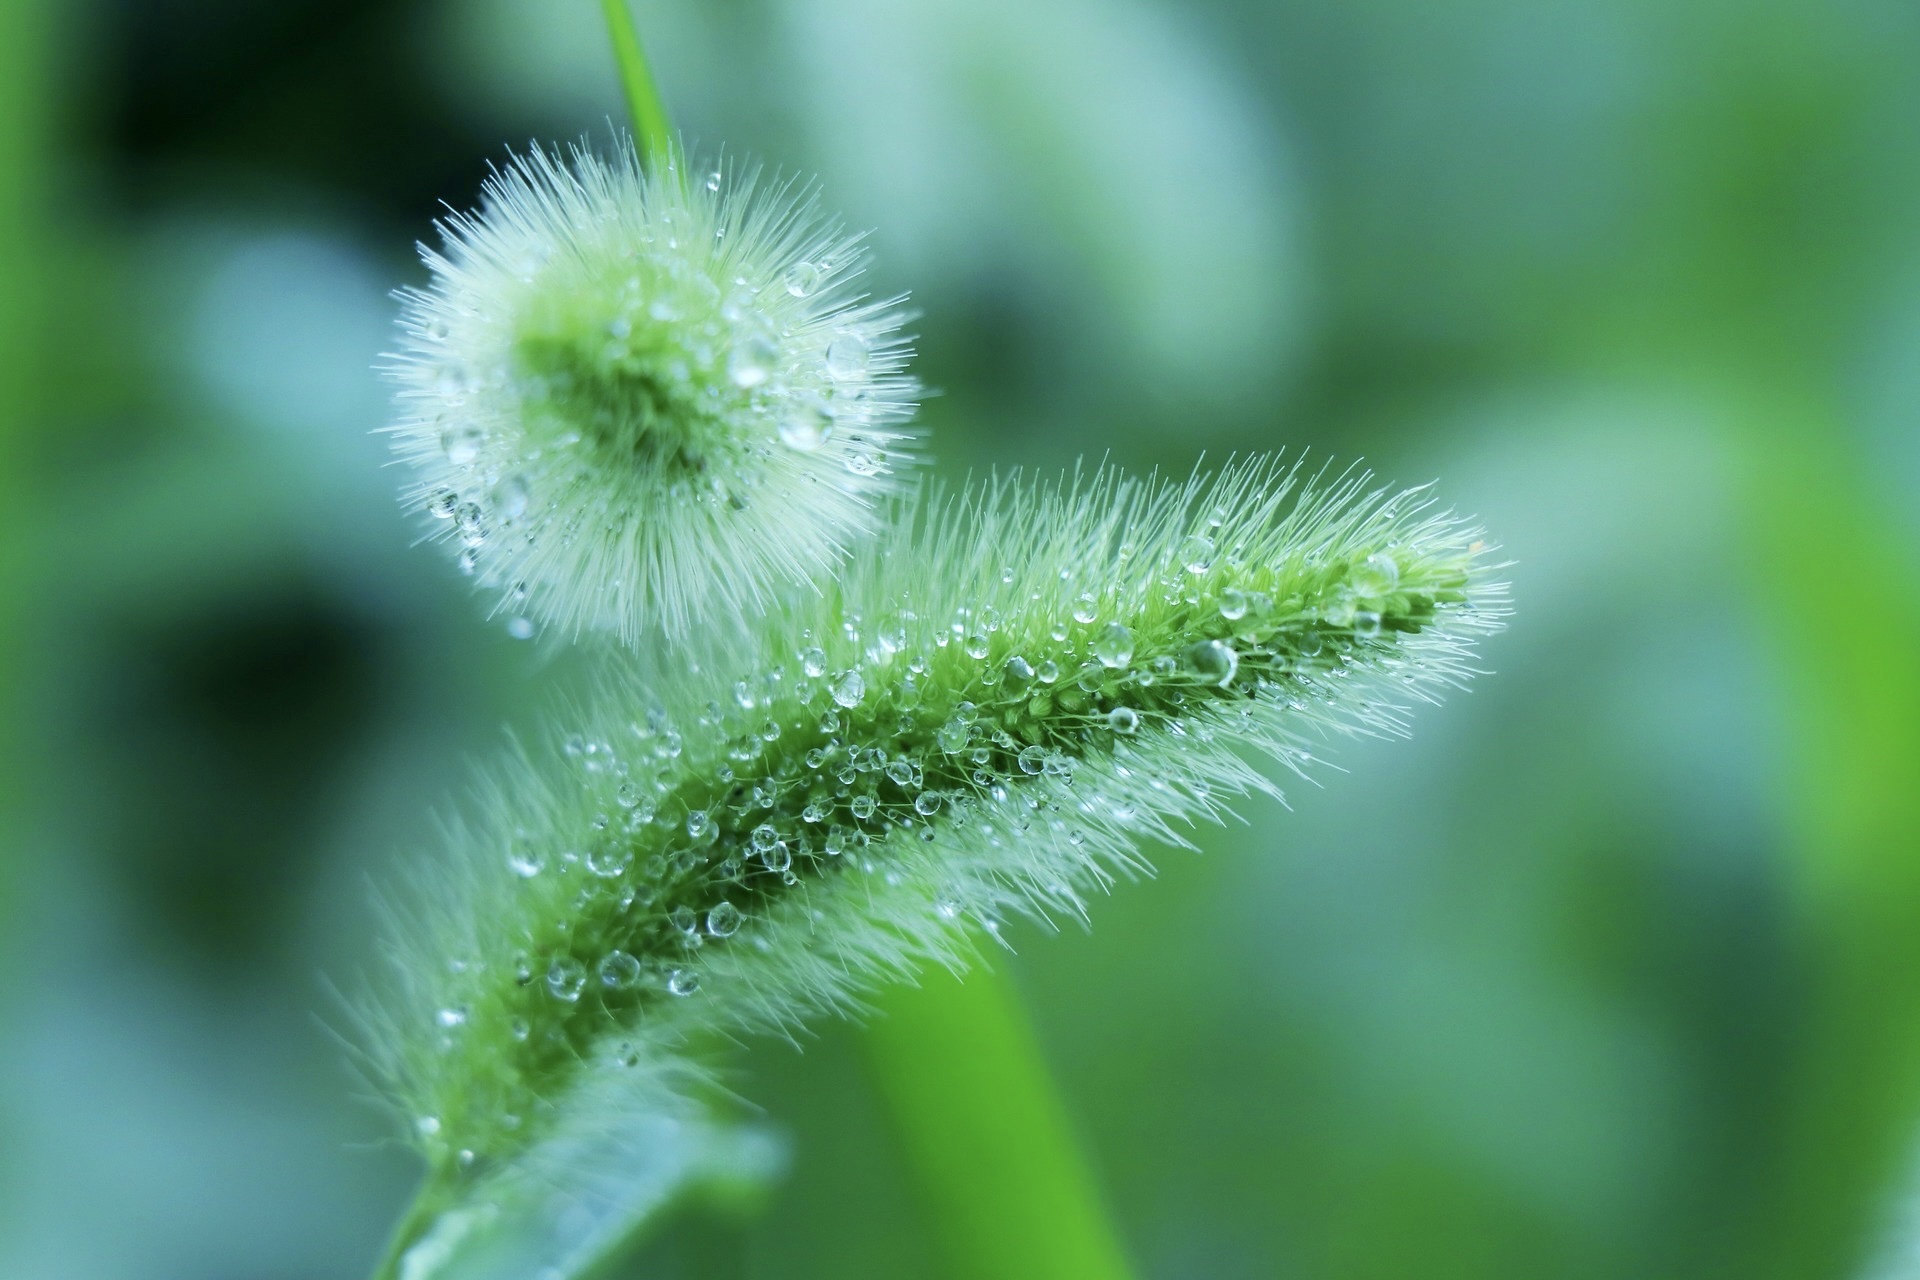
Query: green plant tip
[(647, 397)]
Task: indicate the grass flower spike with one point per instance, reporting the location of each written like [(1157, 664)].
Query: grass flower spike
[(986, 716), (637, 395)]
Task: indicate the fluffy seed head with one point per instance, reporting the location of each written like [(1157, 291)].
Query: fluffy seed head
[(987, 716), (640, 395)]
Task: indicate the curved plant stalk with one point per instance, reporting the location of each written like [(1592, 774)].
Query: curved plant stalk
[(987, 715), (992, 1153), (650, 127)]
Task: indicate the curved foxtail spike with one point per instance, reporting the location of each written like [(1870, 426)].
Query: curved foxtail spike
[(987, 716), (647, 397)]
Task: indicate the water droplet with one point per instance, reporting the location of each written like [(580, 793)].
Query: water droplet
[(1377, 575), (802, 279), (451, 1017), (470, 523), (850, 690), (566, 977), (1114, 645), (813, 662), (927, 803), (805, 427), (724, 920), (1019, 672), (776, 856), (1047, 672), (441, 505), (618, 970), (699, 824), (1213, 661), (468, 561), (1086, 609), (863, 807), (524, 860), (764, 837), (713, 180), (751, 361), (519, 1029), (1196, 553), (520, 628), (863, 463), (462, 445), (683, 982), (510, 497), (1033, 760), (609, 860), (1123, 720), (976, 645), (1366, 624), (1233, 604), (427, 1126), (847, 356), (437, 330), (947, 909), (952, 736)]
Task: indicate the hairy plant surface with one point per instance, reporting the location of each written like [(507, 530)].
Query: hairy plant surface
[(989, 713), (646, 396)]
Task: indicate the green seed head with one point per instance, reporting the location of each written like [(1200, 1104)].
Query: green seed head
[(987, 716), (646, 396)]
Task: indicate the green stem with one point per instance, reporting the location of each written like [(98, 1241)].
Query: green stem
[(1001, 1176), (651, 132), (427, 1204)]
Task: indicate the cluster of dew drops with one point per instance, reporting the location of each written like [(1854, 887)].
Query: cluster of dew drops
[(789, 815), (807, 402)]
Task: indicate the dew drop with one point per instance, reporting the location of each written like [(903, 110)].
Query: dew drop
[(683, 982), (618, 970), (1114, 645), (1377, 575), (851, 688), (813, 662), (863, 463), (863, 807), (451, 1017), (461, 445), (713, 180), (510, 496), (1213, 661), (524, 860), (976, 645), (566, 977), (847, 356), (470, 523), (1233, 604), (952, 736), (927, 803), (427, 1126), (1123, 720), (1019, 672), (1086, 609), (609, 860), (1047, 672), (1196, 553), (724, 920), (1366, 624), (776, 856), (805, 427), (1033, 760), (802, 279), (442, 504), (751, 362)]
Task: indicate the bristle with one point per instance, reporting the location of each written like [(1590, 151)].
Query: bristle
[(647, 399), (989, 714)]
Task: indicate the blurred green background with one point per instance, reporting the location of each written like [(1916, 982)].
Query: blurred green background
[(1613, 971)]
